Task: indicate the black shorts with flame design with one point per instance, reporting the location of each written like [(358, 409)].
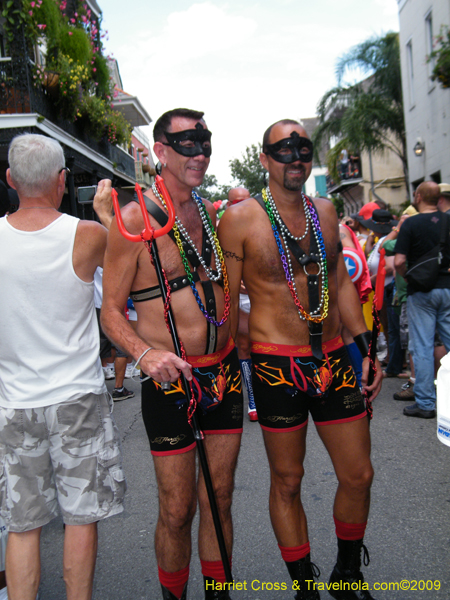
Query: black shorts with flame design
[(218, 391), (288, 382)]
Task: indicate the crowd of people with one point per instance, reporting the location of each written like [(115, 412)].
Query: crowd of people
[(410, 313), (270, 301)]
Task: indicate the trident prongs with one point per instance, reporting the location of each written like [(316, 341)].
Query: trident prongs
[(148, 232)]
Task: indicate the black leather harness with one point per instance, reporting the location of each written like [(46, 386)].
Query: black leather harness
[(181, 282), (315, 329)]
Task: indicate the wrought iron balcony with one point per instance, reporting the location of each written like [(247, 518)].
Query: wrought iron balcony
[(20, 94)]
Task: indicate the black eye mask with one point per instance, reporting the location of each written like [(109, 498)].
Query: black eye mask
[(200, 138), (291, 149)]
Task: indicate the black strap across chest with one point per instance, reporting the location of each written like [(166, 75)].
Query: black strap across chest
[(312, 281), (181, 282)]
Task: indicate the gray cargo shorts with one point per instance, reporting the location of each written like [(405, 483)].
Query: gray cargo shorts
[(65, 455)]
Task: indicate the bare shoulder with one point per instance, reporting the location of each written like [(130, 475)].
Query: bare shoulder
[(91, 233), (325, 206), (240, 215), (345, 236), (327, 213), (132, 217)]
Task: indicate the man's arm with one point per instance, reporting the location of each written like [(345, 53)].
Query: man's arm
[(400, 264), (403, 246), (89, 249), (121, 264), (345, 237), (231, 241), (103, 205), (353, 319)]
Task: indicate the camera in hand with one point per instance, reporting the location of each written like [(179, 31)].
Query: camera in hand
[(86, 194)]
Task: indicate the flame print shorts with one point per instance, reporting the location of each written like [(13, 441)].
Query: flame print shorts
[(217, 389), (288, 382)]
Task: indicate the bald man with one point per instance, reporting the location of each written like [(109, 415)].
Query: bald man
[(427, 311), (237, 194), (288, 253)]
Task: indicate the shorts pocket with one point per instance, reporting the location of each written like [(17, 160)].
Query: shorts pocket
[(111, 484), (80, 420)]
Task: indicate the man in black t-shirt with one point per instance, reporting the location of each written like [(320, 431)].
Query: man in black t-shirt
[(427, 311)]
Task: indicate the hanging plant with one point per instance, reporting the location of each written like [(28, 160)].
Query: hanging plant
[(76, 73), (441, 58)]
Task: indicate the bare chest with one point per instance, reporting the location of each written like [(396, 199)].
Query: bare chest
[(180, 253), (274, 261)]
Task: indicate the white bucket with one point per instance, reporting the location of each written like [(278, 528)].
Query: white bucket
[(443, 401)]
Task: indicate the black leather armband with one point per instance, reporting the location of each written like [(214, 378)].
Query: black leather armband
[(363, 342)]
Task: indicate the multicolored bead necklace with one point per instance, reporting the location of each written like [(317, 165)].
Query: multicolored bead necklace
[(217, 250), (310, 215)]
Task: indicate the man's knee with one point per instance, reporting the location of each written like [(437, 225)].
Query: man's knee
[(177, 513), (358, 480), (286, 485)]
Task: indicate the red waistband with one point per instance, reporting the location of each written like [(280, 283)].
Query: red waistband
[(287, 350), (211, 359)]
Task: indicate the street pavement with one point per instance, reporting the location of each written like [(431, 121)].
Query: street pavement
[(408, 535)]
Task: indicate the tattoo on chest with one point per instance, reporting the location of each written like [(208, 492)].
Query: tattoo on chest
[(229, 254)]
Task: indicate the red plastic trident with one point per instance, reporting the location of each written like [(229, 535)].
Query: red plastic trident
[(148, 232)]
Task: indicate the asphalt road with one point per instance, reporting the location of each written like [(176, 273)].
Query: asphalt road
[(408, 534)]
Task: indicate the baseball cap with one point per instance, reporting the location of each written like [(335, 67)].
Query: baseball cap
[(445, 188), (365, 212)]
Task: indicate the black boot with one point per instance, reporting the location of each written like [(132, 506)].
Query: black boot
[(347, 572), (211, 593), (302, 573), (167, 595)]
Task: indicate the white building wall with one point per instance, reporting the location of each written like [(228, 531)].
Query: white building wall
[(426, 103)]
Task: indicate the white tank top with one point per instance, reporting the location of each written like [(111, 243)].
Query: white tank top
[(49, 338)]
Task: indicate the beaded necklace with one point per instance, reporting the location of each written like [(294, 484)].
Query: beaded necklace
[(310, 215), (217, 250)]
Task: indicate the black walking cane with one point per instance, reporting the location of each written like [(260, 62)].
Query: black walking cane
[(149, 233)]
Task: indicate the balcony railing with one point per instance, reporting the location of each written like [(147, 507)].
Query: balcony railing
[(349, 173), (19, 95)]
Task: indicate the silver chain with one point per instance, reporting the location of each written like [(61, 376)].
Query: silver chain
[(284, 232), (212, 242)]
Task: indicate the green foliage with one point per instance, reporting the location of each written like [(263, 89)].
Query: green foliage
[(338, 203), (118, 130), (76, 72), (77, 45), (441, 58), (212, 190), (369, 115), (102, 76), (249, 172)]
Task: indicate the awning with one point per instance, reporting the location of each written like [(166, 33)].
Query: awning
[(132, 109), (344, 186)]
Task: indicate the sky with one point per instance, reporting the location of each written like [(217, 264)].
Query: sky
[(246, 64)]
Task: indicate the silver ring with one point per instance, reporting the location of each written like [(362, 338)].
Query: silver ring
[(165, 385)]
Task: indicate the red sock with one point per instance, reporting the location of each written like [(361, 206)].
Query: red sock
[(174, 582), (214, 569), (294, 553), (349, 531)]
